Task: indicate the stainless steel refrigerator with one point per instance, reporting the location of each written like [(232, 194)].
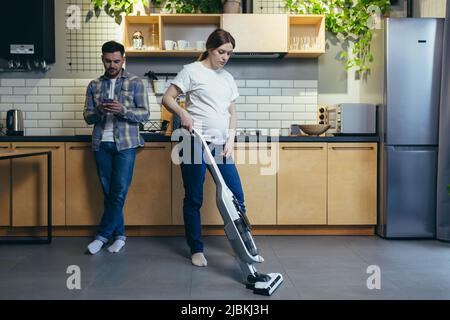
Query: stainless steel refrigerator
[(409, 122), (443, 186)]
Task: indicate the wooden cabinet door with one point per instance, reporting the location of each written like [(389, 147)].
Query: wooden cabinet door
[(149, 197), (258, 181), (302, 184), (258, 32), (5, 187), (352, 183), (257, 165), (29, 185), (84, 202)]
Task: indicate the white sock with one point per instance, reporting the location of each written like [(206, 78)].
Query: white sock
[(199, 260), (116, 246), (95, 246)]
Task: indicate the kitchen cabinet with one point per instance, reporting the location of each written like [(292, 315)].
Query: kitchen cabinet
[(189, 27), (306, 36), (149, 196), (84, 202), (256, 165), (352, 183), (29, 185), (252, 32), (302, 184), (258, 32), (5, 187)]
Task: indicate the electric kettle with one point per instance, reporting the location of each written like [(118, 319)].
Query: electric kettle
[(14, 122)]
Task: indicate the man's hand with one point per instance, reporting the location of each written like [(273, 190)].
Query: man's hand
[(110, 107), (186, 121)]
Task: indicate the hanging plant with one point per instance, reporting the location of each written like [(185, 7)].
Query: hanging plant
[(117, 8), (348, 20), (194, 6)]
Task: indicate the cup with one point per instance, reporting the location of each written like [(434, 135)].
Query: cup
[(200, 45), (183, 44), (170, 45), (295, 41), (159, 86)]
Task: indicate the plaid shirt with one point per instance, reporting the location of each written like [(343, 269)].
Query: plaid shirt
[(132, 96)]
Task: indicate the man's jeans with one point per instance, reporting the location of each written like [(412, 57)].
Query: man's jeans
[(193, 180), (115, 170)]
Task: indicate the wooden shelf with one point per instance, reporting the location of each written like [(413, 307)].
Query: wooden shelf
[(163, 53), (312, 26)]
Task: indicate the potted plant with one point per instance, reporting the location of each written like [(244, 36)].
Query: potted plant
[(348, 21), (117, 8), (194, 6)]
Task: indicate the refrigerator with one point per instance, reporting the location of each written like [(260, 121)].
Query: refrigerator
[(443, 186), (408, 122)]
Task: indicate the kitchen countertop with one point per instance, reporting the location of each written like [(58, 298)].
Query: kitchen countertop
[(151, 137)]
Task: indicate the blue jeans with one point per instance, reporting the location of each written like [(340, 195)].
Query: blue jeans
[(115, 170), (193, 180)]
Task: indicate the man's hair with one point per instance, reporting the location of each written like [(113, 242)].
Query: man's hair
[(113, 46)]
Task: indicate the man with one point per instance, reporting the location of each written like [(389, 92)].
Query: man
[(115, 103)]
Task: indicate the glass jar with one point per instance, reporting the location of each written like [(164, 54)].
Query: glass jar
[(154, 38), (138, 40)]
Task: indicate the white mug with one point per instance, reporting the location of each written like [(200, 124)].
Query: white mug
[(183, 44), (170, 45), (200, 45)]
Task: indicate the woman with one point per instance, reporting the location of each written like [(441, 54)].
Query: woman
[(210, 109)]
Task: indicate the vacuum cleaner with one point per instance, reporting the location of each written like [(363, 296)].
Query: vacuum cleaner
[(238, 231)]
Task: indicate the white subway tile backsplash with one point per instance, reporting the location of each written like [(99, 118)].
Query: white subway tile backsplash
[(37, 132), (294, 92), (293, 107), (257, 83), (246, 107), (37, 82), (50, 91), (306, 84), (50, 107), (257, 99), (25, 90), (13, 99), (62, 132), (281, 116), (38, 99), (281, 99), (62, 82), (269, 92), (37, 115), (63, 115), (282, 83), (257, 116), (13, 82), (269, 107), (49, 123), (248, 91), (55, 106), (63, 99), (73, 107)]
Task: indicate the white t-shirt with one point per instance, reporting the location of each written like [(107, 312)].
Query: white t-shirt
[(108, 132), (209, 94)]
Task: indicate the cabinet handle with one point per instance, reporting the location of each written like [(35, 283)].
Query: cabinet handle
[(155, 148), (352, 148), (252, 148), (80, 148), (38, 147), (301, 148), (4, 147)]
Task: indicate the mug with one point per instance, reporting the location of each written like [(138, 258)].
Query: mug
[(200, 45), (170, 45), (183, 44)]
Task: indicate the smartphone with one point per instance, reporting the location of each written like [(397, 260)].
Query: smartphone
[(108, 100)]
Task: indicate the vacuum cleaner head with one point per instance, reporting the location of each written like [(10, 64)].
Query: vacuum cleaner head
[(264, 284)]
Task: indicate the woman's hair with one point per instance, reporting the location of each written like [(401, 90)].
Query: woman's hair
[(217, 38)]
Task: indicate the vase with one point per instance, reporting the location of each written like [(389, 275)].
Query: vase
[(232, 6)]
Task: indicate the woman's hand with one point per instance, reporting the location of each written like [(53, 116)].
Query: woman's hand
[(186, 121), (228, 148)]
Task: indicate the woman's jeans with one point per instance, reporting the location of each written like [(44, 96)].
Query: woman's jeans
[(115, 170), (193, 173)]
